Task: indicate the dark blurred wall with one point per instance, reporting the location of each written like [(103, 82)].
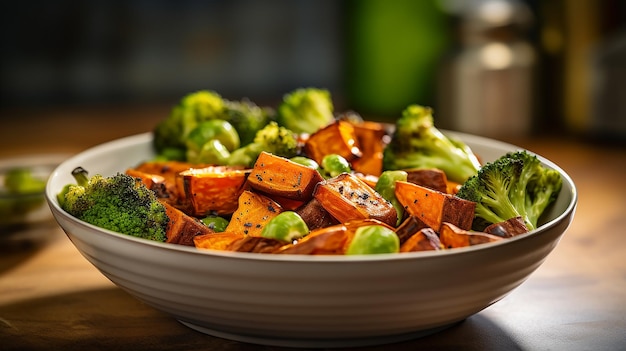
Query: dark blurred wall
[(100, 51), (375, 56)]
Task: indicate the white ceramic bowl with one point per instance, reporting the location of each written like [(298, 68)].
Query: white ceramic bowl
[(308, 301)]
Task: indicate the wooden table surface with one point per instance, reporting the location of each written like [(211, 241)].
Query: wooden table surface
[(52, 298)]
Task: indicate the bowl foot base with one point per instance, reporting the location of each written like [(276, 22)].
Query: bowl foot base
[(316, 343)]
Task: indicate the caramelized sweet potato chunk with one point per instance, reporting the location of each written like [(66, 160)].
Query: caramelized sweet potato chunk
[(253, 212), (182, 228), (431, 178), (509, 228), (434, 207), (315, 215), (369, 136), (216, 241), (410, 226), (168, 189), (348, 198), (452, 236), (213, 189), (424, 240), (151, 181), (324, 241), (338, 138), (275, 175), (256, 244)]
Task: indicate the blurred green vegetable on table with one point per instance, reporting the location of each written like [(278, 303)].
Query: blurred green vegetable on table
[(20, 194)]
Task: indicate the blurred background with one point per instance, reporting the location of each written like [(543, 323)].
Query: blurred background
[(491, 67)]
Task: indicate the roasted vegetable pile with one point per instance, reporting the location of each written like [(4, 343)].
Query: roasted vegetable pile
[(301, 179)]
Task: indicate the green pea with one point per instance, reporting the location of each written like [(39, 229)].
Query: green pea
[(217, 223), (373, 239), (286, 226), (333, 165), (386, 187)]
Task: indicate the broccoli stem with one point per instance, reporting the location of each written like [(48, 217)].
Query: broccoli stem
[(81, 176)]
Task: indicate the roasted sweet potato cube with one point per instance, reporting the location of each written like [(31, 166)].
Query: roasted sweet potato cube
[(368, 179), (431, 178), (315, 215), (253, 212), (213, 189), (424, 240), (168, 189), (216, 241), (452, 236), (410, 226), (434, 207), (148, 179), (509, 228), (275, 175), (324, 241), (256, 244), (369, 136), (182, 228), (285, 203), (338, 138), (348, 198)]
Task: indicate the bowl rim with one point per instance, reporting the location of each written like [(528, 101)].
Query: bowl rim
[(147, 137)]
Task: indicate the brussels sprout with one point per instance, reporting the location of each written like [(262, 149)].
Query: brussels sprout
[(217, 223), (373, 239), (386, 187), (213, 152), (215, 129), (286, 226), (333, 165)]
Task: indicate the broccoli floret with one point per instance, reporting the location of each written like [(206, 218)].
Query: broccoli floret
[(170, 134), (514, 185), (537, 187), (247, 118), (273, 138), (119, 203), (306, 110), (417, 143)]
